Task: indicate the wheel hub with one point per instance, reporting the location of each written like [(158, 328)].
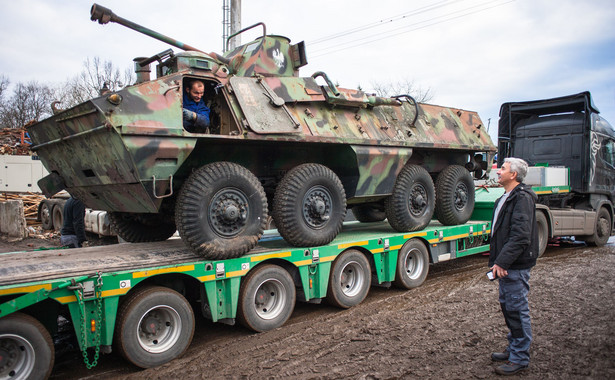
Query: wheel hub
[(418, 199), (16, 357), (159, 329), (228, 212), (269, 299), (317, 206), (461, 196), (151, 326)]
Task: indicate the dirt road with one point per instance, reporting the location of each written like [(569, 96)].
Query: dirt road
[(444, 329)]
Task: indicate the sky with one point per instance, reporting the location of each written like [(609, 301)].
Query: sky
[(471, 54)]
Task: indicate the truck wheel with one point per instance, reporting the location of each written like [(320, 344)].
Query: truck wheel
[(58, 217), (46, 216), (369, 212), (221, 211), (309, 205), (26, 348), (454, 195), (412, 265), (350, 279), (602, 231), (411, 205), (543, 232), (139, 228), (266, 298), (154, 326)]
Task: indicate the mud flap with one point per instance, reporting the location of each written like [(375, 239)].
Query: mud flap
[(51, 184)]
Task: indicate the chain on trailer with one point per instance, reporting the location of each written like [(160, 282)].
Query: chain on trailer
[(79, 289)]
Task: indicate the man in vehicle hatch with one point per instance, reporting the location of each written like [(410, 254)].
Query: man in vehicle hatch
[(195, 111), (513, 252)]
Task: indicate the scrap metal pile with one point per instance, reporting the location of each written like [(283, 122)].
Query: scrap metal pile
[(14, 141)]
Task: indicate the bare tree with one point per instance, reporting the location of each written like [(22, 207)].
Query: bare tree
[(4, 84), (403, 87), (95, 75), (29, 102)]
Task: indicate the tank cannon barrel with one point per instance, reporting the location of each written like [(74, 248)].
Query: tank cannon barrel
[(105, 15)]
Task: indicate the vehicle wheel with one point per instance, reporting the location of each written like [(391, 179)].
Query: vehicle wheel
[(46, 216), (58, 217), (350, 279), (454, 195), (411, 205), (139, 228), (412, 265), (309, 205), (543, 232), (369, 212), (154, 326), (221, 211), (602, 232), (26, 348), (266, 298)]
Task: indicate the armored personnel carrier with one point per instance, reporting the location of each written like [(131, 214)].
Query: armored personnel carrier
[(297, 148)]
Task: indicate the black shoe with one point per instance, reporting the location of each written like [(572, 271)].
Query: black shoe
[(500, 356), (510, 368)]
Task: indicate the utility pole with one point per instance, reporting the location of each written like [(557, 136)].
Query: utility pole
[(231, 23)]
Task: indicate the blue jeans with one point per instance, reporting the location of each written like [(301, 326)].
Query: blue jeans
[(514, 289)]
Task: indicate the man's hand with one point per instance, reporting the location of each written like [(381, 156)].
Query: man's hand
[(189, 115), (498, 271)]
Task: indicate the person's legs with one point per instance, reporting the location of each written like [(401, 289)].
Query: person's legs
[(70, 241), (514, 289)]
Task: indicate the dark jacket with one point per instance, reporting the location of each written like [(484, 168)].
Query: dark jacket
[(202, 115), (514, 243), (74, 219)]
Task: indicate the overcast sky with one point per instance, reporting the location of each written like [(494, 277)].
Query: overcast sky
[(472, 54)]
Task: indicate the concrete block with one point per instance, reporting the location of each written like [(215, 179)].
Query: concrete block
[(12, 219)]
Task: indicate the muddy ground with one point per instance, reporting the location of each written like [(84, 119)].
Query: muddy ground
[(446, 328)]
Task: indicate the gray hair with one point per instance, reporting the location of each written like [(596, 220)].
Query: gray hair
[(518, 166)]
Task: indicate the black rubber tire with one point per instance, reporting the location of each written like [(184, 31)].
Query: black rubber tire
[(454, 195), (164, 308), (412, 265), (303, 189), (29, 347), (369, 212), (57, 216), (406, 208), (46, 216), (139, 228), (203, 228), (266, 298), (602, 231), (543, 232), (350, 279)]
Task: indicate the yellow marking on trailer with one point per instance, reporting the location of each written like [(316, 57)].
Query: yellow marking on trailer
[(395, 247), (347, 245), (236, 273), (25, 289), (327, 259), (209, 277), (146, 273), (66, 299), (415, 235), (553, 191), (270, 256), (115, 292), (303, 262), (377, 250)]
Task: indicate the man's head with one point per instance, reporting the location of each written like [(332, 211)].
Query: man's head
[(512, 172), (195, 90)]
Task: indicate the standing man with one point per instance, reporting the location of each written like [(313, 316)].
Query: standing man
[(513, 252), (73, 226), (195, 111)]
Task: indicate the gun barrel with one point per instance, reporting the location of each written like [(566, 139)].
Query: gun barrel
[(105, 15)]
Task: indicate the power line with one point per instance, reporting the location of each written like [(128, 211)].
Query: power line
[(370, 39)]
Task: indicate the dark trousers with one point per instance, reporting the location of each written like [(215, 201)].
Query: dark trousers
[(514, 289), (70, 241)]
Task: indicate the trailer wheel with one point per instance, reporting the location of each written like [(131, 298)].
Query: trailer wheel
[(154, 326), (26, 348), (369, 212), (139, 228), (350, 279), (221, 211), (266, 298), (46, 216), (309, 205), (454, 195), (58, 217), (411, 205), (412, 265), (543, 232), (602, 231)]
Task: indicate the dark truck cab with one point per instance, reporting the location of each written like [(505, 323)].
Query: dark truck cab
[(566, 132)]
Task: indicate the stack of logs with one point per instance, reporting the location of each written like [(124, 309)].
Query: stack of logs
[(30, 204)]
